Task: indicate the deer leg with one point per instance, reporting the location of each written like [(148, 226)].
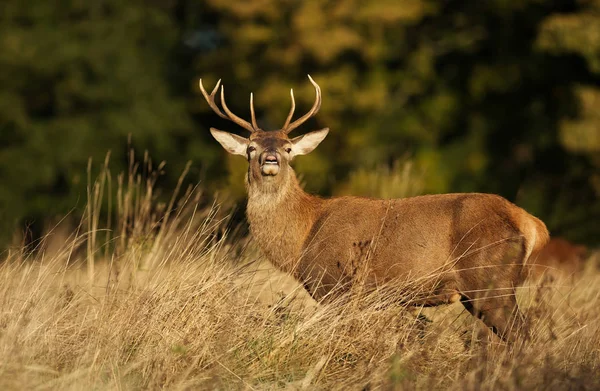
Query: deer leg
[(500, 313)]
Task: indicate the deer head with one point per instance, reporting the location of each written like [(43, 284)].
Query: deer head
[(269, 153)]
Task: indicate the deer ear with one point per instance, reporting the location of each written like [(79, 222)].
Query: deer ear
[(232, 143), (306, 143)]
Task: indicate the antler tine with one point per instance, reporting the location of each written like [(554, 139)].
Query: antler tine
[(254, 123), (312, 112), (291, 114), (211, 98), (318, 106), (234, 118)]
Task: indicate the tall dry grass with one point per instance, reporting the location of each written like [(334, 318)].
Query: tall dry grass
[(164, 296)]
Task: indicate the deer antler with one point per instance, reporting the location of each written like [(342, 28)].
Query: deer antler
[(229, 115), (287, 127)]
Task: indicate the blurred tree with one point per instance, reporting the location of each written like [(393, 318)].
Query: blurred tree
[(77, 78), (575, 191)]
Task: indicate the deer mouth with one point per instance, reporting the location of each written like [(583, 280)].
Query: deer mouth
[(270, 166)]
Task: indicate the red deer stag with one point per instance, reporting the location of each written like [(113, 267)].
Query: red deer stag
[(468, 247)]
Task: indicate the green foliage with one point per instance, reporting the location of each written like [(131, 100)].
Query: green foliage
[(76, 80), (497, 96)]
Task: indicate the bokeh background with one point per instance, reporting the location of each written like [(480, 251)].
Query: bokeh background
[(497, 96)]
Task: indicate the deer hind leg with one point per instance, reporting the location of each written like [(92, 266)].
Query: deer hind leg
[(499, 311), (488, 282)]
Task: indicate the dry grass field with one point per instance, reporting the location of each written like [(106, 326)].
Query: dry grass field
[(175, 301)]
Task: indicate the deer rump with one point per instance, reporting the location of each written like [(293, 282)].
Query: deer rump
[(435, 249)]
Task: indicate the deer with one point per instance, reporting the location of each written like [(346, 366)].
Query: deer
[(560, 259), (467, 247)]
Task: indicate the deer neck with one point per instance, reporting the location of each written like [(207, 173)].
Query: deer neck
[(281, 220)]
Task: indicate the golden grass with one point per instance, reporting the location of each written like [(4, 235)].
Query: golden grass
[(177, 302)]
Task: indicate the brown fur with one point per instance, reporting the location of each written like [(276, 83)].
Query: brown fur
[(559, 258), (440, 248)]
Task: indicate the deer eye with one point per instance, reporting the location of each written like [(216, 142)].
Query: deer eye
[(288, 149), (251, 149)]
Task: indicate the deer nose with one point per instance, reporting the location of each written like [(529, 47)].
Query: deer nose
[(270, 157), (270, 163)]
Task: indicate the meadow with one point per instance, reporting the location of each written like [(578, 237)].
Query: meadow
[(173, 296)]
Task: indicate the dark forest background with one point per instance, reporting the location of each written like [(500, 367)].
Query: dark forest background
[(497, 96)]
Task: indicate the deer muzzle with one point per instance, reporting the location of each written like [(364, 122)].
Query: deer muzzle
[(270, 164)]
